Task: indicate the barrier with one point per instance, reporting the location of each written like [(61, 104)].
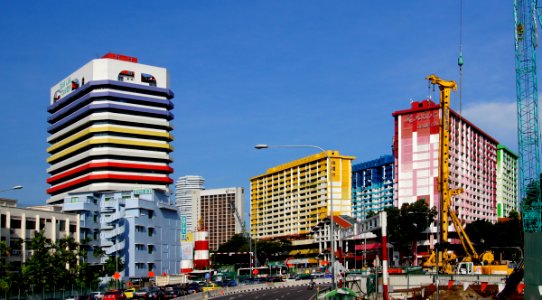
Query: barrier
[(251, 288)]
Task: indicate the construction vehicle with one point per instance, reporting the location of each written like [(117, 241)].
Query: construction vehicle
[(442, 258)]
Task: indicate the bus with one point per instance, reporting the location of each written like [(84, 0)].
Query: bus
[(201, 275), (262, 272)]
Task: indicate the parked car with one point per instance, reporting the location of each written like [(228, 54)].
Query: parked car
[(255, 280), (303, 277), (193, 287), (114, 295), (129, 293), (227, 282), (274, 279), (210, 286), (317, 275), (230, 282), (96, 296), (148, 293), (172, 291)]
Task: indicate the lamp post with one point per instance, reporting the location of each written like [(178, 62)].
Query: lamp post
[(330, 186), (437, 247), (17, 187)]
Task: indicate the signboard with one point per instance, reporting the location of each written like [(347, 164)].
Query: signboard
[(143, 192), (71, 83), (183, 228)]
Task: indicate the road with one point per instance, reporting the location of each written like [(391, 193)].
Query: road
[(286, 293)]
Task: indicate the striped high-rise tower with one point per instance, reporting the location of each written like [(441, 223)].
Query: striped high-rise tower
[(110, 128)]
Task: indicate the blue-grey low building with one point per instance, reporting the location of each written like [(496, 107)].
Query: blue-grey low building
[(141, 227)]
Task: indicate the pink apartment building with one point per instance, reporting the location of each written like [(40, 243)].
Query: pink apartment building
[(473, 162)]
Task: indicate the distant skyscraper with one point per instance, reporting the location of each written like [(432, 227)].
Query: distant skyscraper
[(288, 200), (110, 128), (473, 162), (219, 209), (372, 186), (507, 182), (187, 199)]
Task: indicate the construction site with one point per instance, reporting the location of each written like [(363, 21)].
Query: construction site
[(518, 280)]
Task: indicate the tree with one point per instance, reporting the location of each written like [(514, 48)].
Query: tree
[(113, 264), (505, 236), (271, 250), (56, 265), (237, 243), (38, 271), (5, 270), (406, 224)]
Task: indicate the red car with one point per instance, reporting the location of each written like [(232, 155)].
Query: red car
[(114, 295)]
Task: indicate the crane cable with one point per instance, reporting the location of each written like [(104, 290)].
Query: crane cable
[(460, 59)]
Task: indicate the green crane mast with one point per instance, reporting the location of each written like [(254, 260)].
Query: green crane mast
[(526, 42)]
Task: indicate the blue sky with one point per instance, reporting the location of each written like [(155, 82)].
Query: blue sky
[(327, 73)]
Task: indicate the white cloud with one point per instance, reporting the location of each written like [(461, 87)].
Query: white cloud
[(498, 119)]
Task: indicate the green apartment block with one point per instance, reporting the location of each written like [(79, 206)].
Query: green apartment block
[(507, 181)]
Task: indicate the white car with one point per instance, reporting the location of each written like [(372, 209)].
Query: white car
[(96, 295)]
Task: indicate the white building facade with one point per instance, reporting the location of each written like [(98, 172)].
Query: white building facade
[(19, 225)]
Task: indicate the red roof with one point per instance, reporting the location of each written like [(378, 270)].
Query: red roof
[(342, 222), (372, 246), (120, 57)]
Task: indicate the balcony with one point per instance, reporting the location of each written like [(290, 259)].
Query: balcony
[(78, 206), (115, 248), (111, 218), (110, 204), (109, 234)]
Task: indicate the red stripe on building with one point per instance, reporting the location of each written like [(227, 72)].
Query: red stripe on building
[(89, 178), (91, 166)]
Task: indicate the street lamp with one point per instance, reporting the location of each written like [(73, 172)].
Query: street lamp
[(330, 186), (17, 187)]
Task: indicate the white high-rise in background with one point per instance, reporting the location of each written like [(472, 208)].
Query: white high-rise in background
[(187, 195)]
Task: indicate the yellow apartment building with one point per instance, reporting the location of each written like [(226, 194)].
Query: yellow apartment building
[(288, 200)]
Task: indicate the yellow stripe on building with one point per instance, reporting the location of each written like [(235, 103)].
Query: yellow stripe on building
[(107, 140), (108, 128)]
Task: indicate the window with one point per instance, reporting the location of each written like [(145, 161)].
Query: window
[(151, 231), (126, 75), (147, 78), (151, 214), (30, 224), (151, 249), (15, 223), (140, 247)]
